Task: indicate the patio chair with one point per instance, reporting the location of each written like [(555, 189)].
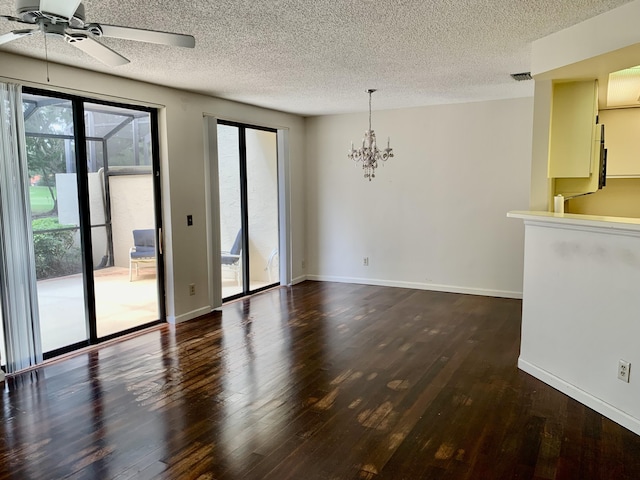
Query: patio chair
[(273, 264), (231, 259), (143, 250)]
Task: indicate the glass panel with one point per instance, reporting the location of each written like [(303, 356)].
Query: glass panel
[(121, 210), (230, 209), (47, 115), (126, 134), (3, 353), (102, 120), (55, 221), (95, 155), (262, 199), (130, 145)]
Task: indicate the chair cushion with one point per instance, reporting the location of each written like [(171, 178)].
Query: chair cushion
[(229, 259), (144, 252)]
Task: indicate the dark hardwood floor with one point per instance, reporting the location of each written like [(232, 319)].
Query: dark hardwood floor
[(318, 381)]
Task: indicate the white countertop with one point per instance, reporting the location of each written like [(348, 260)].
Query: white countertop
[(594, 221)]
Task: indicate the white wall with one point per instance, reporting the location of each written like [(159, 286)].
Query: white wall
[(182, 166), (540, 183), (131, 209), (604, 33), (435, 215)]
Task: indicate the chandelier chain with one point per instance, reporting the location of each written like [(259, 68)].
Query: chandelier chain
[(370, 92)]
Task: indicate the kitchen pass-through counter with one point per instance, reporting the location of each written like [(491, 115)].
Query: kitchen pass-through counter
[(581, 308)]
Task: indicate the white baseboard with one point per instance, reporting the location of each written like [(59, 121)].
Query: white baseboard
[(581, 396), (189, 315), (418, 286), (368, 281), (299, 279)]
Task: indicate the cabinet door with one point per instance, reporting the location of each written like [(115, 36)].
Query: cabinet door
[(621, 132), (570, 187), (573, 114)]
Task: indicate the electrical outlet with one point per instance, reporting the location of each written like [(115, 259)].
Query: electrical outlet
[(365, 261), (624, 370), (192, 289)]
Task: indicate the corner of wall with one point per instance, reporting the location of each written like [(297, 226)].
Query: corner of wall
[(581, 396), (540, 188)]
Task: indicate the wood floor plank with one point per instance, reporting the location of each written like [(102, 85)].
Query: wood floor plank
[(317, 381)]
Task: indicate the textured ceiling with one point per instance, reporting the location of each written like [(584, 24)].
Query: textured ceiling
[(314, 57)]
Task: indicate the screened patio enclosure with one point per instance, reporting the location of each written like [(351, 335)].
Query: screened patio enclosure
[(117, 172), (87, 293)]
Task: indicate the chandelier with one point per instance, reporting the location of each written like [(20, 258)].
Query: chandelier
[(369, 154)]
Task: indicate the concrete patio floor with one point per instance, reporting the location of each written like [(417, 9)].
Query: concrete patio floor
[(120, 304)]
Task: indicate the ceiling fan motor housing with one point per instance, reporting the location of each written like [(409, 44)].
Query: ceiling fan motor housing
[(29, 11)]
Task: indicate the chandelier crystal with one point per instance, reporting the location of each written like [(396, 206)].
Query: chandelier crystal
[(369, 154)]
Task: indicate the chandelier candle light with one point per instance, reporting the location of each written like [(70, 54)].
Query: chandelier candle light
[(369, 154)]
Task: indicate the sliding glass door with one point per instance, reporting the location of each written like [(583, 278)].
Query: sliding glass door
[(249, 230), (121, 188), (94, 182)]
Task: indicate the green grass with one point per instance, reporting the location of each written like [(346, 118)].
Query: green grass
[(41, 200)]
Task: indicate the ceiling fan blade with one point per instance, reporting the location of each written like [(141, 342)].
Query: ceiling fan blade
[(15, 35), (149, 36), (97, 50), (60, 8), (9, 18)]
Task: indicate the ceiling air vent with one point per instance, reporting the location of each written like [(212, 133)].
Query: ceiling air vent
[(522, 76)]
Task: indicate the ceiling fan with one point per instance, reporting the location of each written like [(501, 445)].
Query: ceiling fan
[(65, 19)]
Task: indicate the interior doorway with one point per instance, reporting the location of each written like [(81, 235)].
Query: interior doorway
[(249, 215)]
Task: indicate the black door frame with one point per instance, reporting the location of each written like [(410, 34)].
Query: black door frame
[(244, 200), (80, 142)]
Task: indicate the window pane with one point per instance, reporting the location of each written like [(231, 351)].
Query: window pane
[(230, 209), (3, 354), (121, 203), (55, 222), (262, 206)]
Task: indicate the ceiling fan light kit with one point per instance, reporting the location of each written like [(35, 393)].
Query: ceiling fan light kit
[(65, 19)]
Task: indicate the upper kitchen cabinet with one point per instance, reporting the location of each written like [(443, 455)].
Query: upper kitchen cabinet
[(574, 111), (622, 139)]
